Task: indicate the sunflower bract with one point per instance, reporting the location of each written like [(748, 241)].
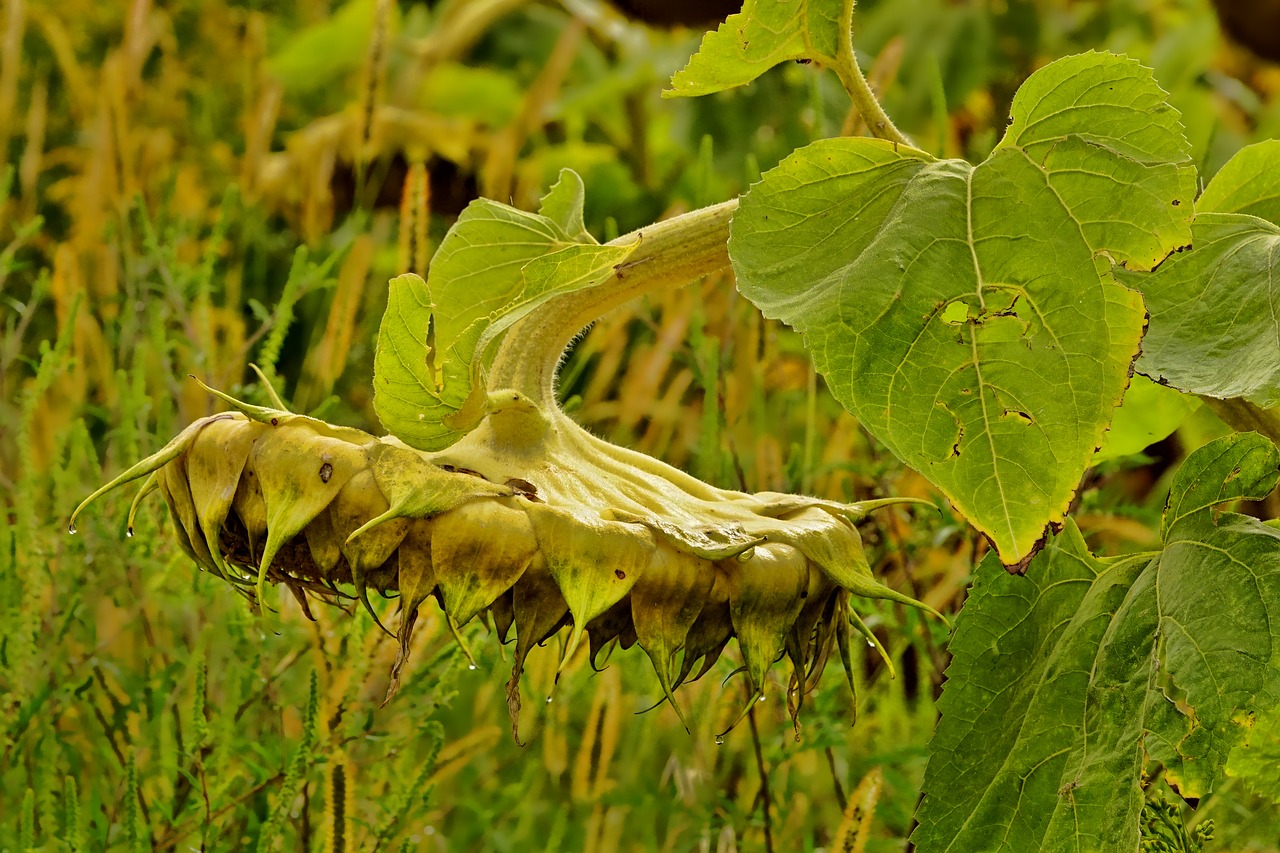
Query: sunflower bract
[(557, 529)]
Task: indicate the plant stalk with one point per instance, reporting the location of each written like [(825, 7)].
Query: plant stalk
[(670, 253), (855, 83)]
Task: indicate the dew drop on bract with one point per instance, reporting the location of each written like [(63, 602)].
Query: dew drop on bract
[(548, 700), (761, 699), (471, 666), (871, 644), (129, 533), (71, 528), (719, 740)]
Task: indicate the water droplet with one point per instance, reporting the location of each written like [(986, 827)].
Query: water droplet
[(422, 416), (719, 740), (71, 528), (129, 533), (761, 699), (871, 644), (548, 700), (471, 666)]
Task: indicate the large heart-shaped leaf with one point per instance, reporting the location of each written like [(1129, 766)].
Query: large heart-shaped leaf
[(495, 265), (966, 314), (1063, 684), (1215, 311)]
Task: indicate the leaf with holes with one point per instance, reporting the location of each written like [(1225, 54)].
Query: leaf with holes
[(966, 314)]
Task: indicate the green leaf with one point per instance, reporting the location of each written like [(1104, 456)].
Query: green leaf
[(1249, 183), (1098, 110), (1223, 470), (764, 34), (1214, 309), (494, 266), (405, 386), (1064, 682), (322, 53), (572, 268), (1149, 413), (966, 314), (487, 94), (563, 205), (1217, 644), (1001, 772), (1257, 759)]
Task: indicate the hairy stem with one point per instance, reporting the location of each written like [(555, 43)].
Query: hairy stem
[(855, 83), (670, 253)]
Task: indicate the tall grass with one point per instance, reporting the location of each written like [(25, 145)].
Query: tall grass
[(197, 186)]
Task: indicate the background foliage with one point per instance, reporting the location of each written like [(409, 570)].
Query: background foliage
[(193, 186)]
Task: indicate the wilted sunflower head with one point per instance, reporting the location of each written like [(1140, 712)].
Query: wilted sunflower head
[(528, 518)]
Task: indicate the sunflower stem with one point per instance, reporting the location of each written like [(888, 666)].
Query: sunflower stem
[(668, 254)]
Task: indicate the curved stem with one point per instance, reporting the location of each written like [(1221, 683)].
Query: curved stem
[(855, 83), (667, 254), (670, 253)]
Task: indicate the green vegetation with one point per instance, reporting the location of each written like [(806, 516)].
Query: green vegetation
[(220, 191)]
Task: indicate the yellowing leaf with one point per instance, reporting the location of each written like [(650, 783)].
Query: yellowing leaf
[(966, 315)]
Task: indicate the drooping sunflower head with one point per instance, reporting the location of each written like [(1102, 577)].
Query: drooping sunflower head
[(493, 501), (575, 537)]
